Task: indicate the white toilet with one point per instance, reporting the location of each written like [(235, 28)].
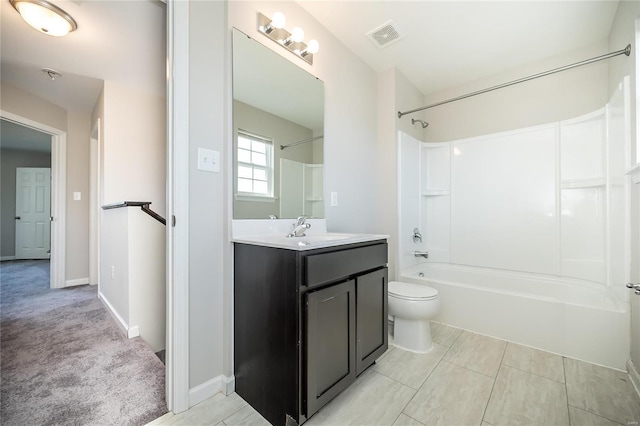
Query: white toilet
[(412, 306)]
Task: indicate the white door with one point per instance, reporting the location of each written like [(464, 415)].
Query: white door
[(33, 213)]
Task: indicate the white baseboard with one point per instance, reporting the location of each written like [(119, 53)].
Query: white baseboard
[(209, 388), (635, 376), (133, 332), (3, 258), (119, 320), (77, 281)]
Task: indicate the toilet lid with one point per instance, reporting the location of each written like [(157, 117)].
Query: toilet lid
[(411, 291)]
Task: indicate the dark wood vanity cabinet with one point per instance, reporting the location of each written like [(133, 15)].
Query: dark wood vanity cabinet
[(306, 324)]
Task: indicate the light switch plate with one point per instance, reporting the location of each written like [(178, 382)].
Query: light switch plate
[(77, 196), (208, 160), (334, 199)]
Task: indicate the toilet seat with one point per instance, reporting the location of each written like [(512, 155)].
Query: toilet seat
[(410, 291)]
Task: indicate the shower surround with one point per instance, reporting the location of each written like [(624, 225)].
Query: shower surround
[(527, 231)]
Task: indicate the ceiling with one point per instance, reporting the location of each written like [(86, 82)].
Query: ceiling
[(444, 43), (448, 43), (121, 41)]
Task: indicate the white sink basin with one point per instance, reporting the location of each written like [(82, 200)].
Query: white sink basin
[(309, 241)]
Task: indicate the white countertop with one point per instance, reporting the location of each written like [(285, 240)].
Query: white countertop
[(308, 242), (272, 233)]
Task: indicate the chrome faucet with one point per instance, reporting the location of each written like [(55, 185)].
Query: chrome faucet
[(299, 228), (417, 236)]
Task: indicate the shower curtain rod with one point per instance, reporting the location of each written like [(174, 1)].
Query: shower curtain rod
[(625, 51), (301, 142)]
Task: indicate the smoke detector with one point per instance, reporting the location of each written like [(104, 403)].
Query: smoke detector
[(385, 35), (53, 74)]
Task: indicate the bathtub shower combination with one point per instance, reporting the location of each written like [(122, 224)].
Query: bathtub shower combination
[(526, 231)]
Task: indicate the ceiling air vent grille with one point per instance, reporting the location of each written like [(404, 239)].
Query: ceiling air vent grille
[(385, 35)]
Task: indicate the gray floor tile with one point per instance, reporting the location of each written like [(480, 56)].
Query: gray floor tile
[(521, 398), (404, 420), (443, 334), (476, 352), (603, 391), (580, 417), (452, 395), (209, 412), (246, 416), (409, 368), (373, 399), (534, 361)]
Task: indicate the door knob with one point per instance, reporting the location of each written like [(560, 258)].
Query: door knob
[(17, 217), (635, 287)]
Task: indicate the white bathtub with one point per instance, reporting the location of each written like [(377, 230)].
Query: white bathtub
[(570, 317)]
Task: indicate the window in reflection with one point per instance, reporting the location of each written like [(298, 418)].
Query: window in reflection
[(255, 165)]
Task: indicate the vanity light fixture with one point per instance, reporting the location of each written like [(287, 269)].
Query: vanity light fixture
[(45, 17), (292, 41)]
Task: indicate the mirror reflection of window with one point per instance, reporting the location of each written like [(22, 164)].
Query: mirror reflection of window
[(255, 165)]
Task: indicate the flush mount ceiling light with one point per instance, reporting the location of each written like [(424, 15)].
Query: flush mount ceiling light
[(292, 41), (45, 17)]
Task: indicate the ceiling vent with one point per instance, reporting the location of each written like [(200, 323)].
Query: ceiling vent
[(385, 35)]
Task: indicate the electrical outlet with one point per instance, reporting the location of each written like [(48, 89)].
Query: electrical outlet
[(113, 272)]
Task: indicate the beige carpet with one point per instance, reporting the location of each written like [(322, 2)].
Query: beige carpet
[(63, 360)]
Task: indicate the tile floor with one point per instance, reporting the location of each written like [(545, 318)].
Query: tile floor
[(468, 379)]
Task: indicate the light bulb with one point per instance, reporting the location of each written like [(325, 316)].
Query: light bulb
[(297, 34), (313, 47), (278, 20)]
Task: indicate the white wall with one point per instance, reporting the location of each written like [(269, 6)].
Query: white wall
[(209, 247), (134, 145), (622, 33), (79, 130), (553, 98), (76, 124)]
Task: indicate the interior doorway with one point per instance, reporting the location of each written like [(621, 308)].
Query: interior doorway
[(58, 193)]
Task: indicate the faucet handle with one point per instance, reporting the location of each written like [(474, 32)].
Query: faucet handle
[(301, 219)]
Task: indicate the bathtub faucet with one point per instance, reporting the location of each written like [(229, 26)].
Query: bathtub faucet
[(424, 254), (417, 236)]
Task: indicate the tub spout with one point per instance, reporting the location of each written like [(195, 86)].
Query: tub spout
[(421, 254)]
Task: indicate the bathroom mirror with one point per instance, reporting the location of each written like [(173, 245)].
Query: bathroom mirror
[(275, 104)]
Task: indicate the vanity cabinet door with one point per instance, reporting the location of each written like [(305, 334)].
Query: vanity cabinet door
[(330, 344), (372, 311)]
